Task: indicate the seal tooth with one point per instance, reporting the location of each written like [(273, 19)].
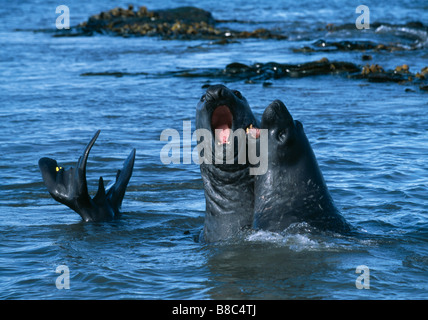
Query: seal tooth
[(253, 131)]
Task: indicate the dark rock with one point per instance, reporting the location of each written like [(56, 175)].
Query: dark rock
[(175, 23)]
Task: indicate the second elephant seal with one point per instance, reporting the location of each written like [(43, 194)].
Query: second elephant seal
[(293, 189)]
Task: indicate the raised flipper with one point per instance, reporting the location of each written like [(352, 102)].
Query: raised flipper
[(117, 191), (69, 187)]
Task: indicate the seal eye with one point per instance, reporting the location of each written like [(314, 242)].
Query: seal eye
[(238, 94), (282, 135), (203, 97)]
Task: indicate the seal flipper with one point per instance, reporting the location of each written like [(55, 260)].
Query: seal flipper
[(100, 197), (117, 191), (80, 184), (56, 180), (70, 187)]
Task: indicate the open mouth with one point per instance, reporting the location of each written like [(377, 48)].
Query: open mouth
[(252, 131), (221, 124)]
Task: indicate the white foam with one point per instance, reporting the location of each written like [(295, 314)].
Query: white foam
[(264, 236), (294, 241), (297, 237)]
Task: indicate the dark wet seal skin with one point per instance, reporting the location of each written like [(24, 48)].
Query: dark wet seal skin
[(69, 187), (229, 188), (293, 189)]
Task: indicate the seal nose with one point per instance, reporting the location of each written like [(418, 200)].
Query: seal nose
[(216, 92), (276, 113)]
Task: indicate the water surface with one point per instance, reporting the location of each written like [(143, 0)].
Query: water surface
[(370, 139)]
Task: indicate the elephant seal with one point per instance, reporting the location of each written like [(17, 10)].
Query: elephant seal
[(69, 187), (228, 187), (293, 189)]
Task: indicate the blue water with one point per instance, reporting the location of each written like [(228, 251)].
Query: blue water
[(370, 139)]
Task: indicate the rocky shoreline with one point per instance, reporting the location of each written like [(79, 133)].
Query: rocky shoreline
[(188, 23), (272, 70), (265, 72), (177, 23)]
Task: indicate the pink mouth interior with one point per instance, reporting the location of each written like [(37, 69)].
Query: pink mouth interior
[(221, 123), (253, 132)]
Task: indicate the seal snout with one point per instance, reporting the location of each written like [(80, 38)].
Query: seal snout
[(223, 110), (217, 93), (275, 113)]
